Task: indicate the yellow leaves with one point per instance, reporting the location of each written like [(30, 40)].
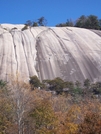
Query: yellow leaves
[(73, 113), (43, 117), (71, 128), (69, 124)]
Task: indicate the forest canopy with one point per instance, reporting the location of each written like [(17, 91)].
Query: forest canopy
[(38, 111)]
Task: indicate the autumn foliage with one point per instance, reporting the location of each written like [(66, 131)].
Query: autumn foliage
[(91, 124), (27, 111)]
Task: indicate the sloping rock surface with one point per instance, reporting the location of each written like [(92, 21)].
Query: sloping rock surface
[(48, 52)]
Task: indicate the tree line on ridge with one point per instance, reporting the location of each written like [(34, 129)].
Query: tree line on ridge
[(88, 22)]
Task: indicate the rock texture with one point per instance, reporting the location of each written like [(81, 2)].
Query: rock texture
[(48, 52)]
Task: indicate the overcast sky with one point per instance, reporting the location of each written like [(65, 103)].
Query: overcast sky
[(55, 11)]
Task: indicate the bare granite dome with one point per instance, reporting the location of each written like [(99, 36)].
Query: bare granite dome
[(48, 52)]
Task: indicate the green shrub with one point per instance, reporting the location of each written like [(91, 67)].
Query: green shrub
[(35, 82)]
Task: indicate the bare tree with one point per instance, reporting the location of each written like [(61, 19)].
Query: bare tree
[(22, 98)]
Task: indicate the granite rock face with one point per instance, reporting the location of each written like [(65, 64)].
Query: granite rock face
[(48, 52)]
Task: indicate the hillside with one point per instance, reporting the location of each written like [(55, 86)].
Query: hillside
[(48, 52)]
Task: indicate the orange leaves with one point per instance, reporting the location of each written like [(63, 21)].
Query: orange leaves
[(59, 115), (91, 124)]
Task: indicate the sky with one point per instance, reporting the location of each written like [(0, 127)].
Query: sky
[(54, 11)]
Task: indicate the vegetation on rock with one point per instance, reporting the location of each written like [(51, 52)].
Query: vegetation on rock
[(89, 22)]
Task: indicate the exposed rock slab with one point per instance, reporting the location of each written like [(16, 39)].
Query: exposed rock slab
[(48, 52)]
